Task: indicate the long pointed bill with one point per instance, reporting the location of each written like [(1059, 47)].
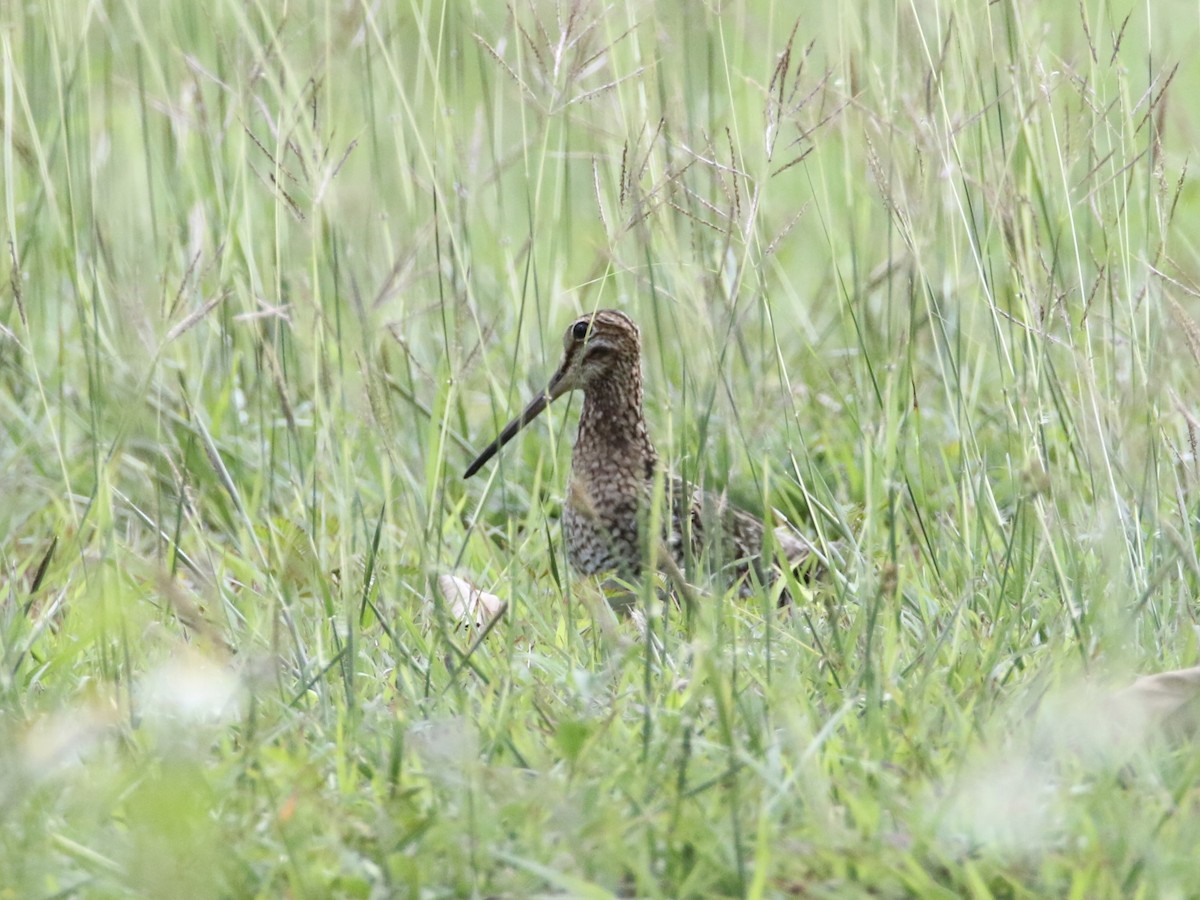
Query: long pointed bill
[(531, 412)]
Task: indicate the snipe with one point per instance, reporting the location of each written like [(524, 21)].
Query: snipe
[(613, 468)]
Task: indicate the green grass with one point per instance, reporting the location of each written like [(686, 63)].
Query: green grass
[(921, 276)]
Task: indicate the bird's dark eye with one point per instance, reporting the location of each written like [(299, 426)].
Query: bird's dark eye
[(579, 331)]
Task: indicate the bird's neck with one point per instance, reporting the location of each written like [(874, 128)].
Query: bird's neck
[(612, 428)]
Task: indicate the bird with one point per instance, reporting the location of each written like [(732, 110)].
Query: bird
[(614, 467)]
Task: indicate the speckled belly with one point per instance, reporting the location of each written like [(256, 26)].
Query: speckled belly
[(601, 531)]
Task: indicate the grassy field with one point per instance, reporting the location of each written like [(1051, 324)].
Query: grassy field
[(921, 276)]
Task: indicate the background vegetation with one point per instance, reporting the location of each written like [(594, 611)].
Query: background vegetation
[(920, 275)]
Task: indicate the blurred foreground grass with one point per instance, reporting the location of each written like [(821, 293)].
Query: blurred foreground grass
[(923, 276)]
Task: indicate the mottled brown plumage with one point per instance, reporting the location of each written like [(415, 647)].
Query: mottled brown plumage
[(613, 469)]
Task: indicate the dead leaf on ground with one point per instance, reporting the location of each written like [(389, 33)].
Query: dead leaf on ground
[(1169, 698), (468, 604)]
